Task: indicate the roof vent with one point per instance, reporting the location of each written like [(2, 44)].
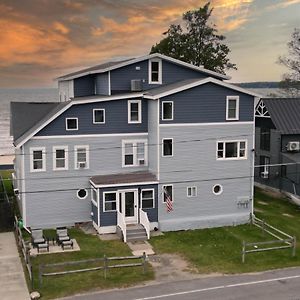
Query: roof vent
[(136, 85), (293, 146)]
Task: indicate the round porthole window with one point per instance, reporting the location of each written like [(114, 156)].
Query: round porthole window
[(217, 189), (82, 193)]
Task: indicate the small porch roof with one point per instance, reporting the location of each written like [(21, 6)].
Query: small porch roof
[(123, 179)]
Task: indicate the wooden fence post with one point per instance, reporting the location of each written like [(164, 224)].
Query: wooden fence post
[(243, 252), (294, 246), (105, 266), (144, 262)]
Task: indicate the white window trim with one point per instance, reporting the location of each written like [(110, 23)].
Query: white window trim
[(66, 167), (72, 129), (238, 150), (187, 191), (139, 112), (76, 147), (97, 109), (87, 193), (162, 147), (221, 190), (163, 196), (111, 192), (153, 192), (162, 111), (43, 149), (135, 161), (94, 201), (237, 114), (159, 71)]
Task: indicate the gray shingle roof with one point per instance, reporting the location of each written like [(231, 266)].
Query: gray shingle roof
[(24, 115), (285, 114), (122, 178)]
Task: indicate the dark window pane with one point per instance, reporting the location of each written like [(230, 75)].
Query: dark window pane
[(148, 203), (60, 153), (168, 111), (167, 148), (110, 206), (231, 149), (154, 77), (110, 197), (60, 163), (99, 116), (37, 154), (81, 193), (265, 139), (72, 124), (147, 194), (232, 109), (155, 66), (38, 164), (128, 159)]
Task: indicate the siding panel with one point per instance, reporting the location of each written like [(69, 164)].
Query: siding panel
[(84, 86), (102, 84)]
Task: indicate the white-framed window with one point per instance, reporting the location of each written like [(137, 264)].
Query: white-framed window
[(230, 150), (81, 157), (134, 111), (37, 159), (155, 71), (98, 116), (191, 191), (82, 194), (232, 107), (109, 201), (134, 153), (60, 158), (167, 147), (217, 189), (94, 196), (71, 124), (147, 198), (167, 190), (167, 112)]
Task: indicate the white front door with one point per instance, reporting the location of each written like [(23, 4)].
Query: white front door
[(128, 205)]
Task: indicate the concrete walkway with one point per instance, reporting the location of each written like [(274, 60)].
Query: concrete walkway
[(12, 281)]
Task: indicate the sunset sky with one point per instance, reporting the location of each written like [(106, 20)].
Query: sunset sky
[(42, 39)]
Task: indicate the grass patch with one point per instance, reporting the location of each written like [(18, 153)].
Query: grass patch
[(219, 249), (91, 247), (7, 183)]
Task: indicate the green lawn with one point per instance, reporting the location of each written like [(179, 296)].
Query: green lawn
[(219, 249), (8, 185), (91, 247)]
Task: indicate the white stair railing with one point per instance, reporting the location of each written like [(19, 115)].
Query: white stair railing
[(122, 225), (145, 222)]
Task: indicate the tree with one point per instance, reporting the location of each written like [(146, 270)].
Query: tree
[(291, 80), (197, 42)]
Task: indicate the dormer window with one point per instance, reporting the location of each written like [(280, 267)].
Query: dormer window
[(155, 71), (232, 108)]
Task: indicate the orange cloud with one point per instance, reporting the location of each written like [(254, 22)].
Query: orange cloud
[(60, 27)]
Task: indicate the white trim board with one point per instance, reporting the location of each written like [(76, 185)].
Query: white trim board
[(139, 59), (122, 184), (234, 123), (87, 135)]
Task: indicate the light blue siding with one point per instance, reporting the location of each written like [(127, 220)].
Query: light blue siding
[(116, 119), (207, 103)]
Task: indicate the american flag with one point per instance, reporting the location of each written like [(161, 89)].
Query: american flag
[(169, 201)]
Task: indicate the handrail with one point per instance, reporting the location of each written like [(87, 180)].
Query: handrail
[(145, 222), (122, 225)]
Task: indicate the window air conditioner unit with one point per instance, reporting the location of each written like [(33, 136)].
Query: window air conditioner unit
[(136, 85), (141, 162), (293, 146), (82, 165), (265, 175)]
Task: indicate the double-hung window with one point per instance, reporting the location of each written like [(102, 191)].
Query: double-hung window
[(147, 197), (167, 110), (231, 150), (167, 147), (81, 157), (110, 201), (60, 158), (155, 71), (134, 111), (232, 108), (99, 116), (38, 159), (191, 191), (134, 153)]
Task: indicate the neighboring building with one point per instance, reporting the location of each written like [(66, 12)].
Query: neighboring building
[(131, 137), (277, 143)]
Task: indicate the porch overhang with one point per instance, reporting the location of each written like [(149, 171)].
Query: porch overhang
[(123, 179)]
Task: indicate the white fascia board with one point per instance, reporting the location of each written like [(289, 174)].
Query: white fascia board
[(109, 98), (201, 82), (122, 184), (136, 60)]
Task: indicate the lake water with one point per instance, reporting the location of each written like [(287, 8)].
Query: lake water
[(19, 95)]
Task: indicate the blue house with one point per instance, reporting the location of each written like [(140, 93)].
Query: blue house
[(150, 142)]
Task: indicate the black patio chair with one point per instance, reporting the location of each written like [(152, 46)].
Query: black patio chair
[(37, 237), (62, 235)]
